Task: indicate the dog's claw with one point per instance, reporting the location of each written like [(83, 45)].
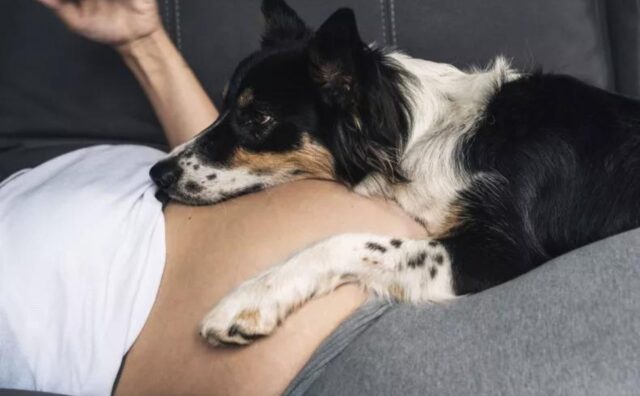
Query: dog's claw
[(217, 339)]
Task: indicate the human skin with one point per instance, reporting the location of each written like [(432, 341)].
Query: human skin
[(212, 249)]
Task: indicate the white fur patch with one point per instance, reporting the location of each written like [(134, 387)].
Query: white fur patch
[(447, 103)]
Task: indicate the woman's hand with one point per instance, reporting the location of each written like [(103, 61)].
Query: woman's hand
[(113, 22), (134, 28)]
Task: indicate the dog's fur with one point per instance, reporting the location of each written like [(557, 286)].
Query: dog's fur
[(504, 170)]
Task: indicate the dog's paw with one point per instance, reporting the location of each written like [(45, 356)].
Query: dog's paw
[(240, 318)]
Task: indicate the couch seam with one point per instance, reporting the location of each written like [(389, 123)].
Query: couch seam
[(384, 23), (602, 17), (167, 17), (166, 11), (637, 49), (392, 8), (178, 27)]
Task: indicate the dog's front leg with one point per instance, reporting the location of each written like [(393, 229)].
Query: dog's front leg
[(406, 270)]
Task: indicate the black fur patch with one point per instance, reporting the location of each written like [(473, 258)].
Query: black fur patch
[(396, 243), (417, 260), (438, 258), (212, 176), (565, 156), (433, 271), (282, 24), (376, 246), (192, 187), (163, 197)]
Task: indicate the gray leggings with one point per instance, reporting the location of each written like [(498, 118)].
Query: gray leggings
[(570, 327)]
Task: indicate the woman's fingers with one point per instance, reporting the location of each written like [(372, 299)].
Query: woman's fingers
[(54, 4), (69, 11), (107, 21)]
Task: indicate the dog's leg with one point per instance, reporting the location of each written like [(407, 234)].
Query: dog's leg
[(406, 270)]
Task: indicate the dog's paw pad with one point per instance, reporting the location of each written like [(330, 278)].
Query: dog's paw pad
[(221, 327)]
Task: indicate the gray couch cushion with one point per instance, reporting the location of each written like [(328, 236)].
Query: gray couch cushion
[(570, 327)]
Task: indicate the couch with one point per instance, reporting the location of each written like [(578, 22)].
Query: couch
[(59, 92)]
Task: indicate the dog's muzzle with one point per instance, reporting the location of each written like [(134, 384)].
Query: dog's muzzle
[(165, 174)]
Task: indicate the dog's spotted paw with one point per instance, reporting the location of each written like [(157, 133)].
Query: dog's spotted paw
[(240, 318)]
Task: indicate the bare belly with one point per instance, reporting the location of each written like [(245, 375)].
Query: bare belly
[(212, 249)]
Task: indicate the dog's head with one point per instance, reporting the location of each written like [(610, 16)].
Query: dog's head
[(306, 105)]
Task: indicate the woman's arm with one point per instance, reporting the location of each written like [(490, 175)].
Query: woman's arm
[(183, 107), (134, 29)]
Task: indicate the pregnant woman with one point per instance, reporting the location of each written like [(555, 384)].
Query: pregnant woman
[(101, 289)]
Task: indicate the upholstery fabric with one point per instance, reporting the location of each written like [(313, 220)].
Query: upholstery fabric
[(58, 90), (624, 31), (570, 327), (215, 36), (565, 37), (568, 36)]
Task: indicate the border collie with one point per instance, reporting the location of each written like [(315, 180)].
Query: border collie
[(505, 170)]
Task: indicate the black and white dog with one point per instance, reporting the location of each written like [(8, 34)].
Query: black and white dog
[(505, 170)]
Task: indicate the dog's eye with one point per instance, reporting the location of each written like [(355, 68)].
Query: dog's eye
[(264, 119)]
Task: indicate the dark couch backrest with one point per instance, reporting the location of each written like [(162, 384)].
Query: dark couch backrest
[(568, 36), (60, 90), (624, 34)]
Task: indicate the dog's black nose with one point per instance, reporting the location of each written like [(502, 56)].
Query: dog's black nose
[(165, 173)]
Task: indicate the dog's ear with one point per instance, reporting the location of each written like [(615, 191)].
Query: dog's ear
[(335, 52), (282, 24), (353, 80)]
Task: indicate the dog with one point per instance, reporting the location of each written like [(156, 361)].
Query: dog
[(504, 169)]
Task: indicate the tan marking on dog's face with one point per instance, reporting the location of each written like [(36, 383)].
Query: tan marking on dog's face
[(245, 98), (311, 158)]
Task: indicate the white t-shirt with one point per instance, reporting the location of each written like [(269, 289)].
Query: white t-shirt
[(82, 251)]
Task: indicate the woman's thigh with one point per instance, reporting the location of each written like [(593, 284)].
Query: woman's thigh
[(212, 249)]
